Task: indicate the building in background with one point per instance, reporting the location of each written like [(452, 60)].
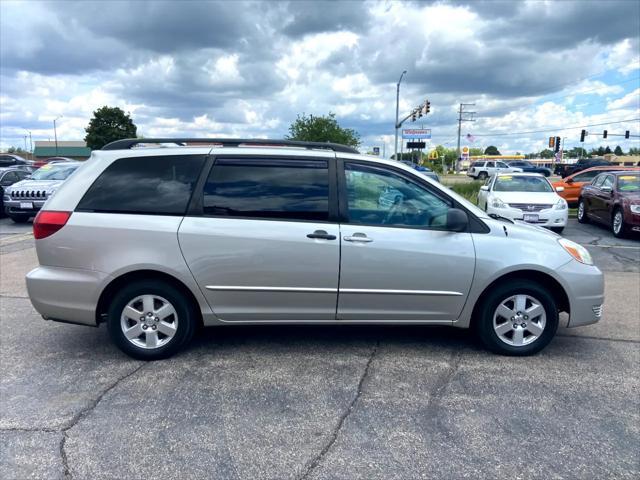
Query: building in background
[(76, 150)]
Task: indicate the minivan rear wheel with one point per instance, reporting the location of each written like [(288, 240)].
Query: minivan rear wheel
[(151, 320), (517, 318)]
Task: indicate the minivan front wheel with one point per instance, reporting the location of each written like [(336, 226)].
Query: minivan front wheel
[(150, 320), (519, 318)]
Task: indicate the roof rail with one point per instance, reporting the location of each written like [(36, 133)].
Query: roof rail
[(229, 142)]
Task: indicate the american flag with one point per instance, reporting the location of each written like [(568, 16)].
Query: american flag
[(471, 138)]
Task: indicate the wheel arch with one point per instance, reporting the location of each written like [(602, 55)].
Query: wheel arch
[(136, 275), (543, 279)]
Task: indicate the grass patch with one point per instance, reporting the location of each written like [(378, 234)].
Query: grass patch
[(468, 190)]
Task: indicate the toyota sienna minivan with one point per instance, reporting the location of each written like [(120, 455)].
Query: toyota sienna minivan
[(158, 237)]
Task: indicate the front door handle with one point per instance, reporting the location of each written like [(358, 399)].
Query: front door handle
[(322, 234), (358, 237)]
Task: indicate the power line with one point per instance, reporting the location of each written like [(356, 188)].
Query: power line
[(557, 129)]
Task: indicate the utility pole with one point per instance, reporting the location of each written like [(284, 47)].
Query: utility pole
[(395, 150), (30, 143), (55, 132), (463, 116)]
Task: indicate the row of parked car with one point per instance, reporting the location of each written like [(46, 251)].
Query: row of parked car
[(25, 185), (607, 195)]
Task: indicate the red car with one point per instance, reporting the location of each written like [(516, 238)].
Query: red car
[(613, 199)]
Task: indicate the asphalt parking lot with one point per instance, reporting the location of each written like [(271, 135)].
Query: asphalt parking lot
[(321, 402)]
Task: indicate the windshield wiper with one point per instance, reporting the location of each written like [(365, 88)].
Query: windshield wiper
[(499, 217)]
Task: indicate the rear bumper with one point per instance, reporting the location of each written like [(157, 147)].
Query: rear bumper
[(66, 294), (585, 289)]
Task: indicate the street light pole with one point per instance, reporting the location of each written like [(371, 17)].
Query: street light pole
[(395, 150), (55, 132)]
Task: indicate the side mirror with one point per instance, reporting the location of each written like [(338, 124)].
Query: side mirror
[(569, 180), (457, 220), (559, 189), (485, 188)]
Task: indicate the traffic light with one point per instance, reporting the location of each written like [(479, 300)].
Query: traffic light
[(552, 142), (413, 116), (582, 134), (604, 134), (427, 107), (557, 144), (626, 134)]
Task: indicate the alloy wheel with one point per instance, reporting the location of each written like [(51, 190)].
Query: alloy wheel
[(617, 223), (149, 321), (581, 210), (519, 320)]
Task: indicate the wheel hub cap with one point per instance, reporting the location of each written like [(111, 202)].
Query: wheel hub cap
[(519, 320), (149, 321)]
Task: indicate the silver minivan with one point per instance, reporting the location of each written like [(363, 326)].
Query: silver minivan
[(157, 240)]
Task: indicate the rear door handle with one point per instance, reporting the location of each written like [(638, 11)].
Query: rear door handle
[(358, 237), (321, 234)]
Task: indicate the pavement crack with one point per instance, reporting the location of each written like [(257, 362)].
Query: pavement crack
[(336, 431), (606, 339), (83, 413), (445, 380)]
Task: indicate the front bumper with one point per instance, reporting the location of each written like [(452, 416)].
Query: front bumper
[(584, 285), (632, 220), (23, 206), (66, 294), (550, 217)]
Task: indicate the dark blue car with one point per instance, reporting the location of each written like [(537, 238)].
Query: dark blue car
[(529, 167)]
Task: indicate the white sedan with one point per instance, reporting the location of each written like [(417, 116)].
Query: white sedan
[(524, 196)]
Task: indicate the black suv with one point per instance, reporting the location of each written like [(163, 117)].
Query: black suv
[(582, 164)]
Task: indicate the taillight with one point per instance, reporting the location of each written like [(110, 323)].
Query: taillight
[(48, 222)]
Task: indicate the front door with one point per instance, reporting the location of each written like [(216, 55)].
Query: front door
[(397, 261), (264, 247)]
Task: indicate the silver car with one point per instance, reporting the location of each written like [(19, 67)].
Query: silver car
[(24, 199), (157, 242)]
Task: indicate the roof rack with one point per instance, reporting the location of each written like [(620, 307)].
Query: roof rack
[(229, 142)]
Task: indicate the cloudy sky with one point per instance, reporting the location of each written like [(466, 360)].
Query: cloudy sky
[(246, 69)]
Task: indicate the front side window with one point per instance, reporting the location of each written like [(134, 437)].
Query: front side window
[(608, 182), (159, 185), (597, 182), (490, 164), (585, 176), (502, 165), (268, 189), (377, 196)]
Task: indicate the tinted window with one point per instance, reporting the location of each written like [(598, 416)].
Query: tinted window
[(154, 185), (9, 178), (6, 161), (490, 164), (377, 196), (585, 176), (274, 189), (502, 165)]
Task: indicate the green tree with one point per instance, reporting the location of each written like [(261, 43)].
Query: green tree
[(322, 129), (475, 151), (546, 153), (17, 151), (491, 150), (607, 150), (634, 151), (618, 151), (107, 125)]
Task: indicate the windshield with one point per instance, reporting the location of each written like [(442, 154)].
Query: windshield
[(53, 172), (514, 183), (629, 183)]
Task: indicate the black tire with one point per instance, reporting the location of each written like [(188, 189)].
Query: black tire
[(582, 212), (622, 228), (482, 176), (19, 218), (557, 229), (185, 310), (547, 173), (483, 322)]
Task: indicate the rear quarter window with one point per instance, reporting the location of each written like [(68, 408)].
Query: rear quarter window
[(159, 185)]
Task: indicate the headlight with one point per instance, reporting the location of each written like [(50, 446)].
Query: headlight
[(497, 203), (635, 209), (576, 250), (561, 204)]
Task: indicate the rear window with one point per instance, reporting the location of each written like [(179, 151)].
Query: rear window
[(268, 189), (151, 185)]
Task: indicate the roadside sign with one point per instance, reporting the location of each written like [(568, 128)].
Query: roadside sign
[(376, 150), (433, 155), (418, 145), (416, 133), (465, 152)]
